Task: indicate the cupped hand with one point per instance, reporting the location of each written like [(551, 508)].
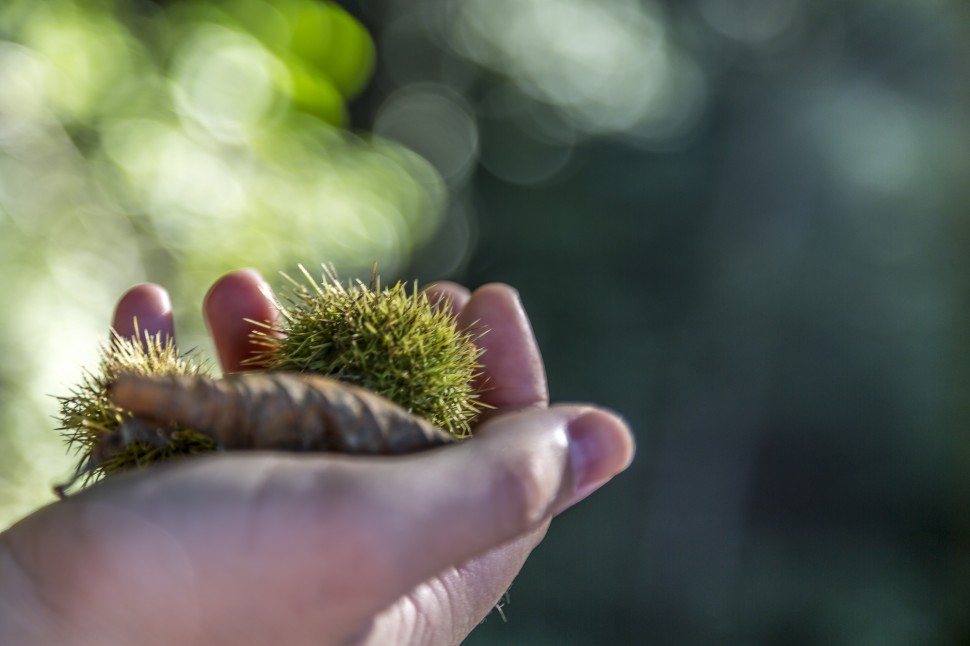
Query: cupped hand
[(263, 548)]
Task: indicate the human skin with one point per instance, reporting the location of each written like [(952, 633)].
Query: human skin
[(291, 549)]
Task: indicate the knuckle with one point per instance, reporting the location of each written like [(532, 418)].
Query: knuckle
[(525, 490)]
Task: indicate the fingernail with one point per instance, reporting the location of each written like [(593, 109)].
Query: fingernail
[(600, 446)]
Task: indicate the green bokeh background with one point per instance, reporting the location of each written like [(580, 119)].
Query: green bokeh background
[(741, 223)]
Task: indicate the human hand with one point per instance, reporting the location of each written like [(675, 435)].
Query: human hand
[(270, 548)]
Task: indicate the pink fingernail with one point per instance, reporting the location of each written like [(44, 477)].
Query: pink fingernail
[(600, 446)]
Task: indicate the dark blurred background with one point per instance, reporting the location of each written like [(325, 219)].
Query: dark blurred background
[(740, 223)]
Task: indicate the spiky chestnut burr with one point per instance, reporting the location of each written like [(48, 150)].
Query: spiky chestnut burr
[(93, 425), (389, 340)]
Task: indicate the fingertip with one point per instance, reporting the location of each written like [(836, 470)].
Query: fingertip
[(231, 284), (146, 307), (499, 290), (493, 300), (232, 301), (601, 445), (446, 294), (513, 375)]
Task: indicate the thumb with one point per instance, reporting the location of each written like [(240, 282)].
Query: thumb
[(518, 471)]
